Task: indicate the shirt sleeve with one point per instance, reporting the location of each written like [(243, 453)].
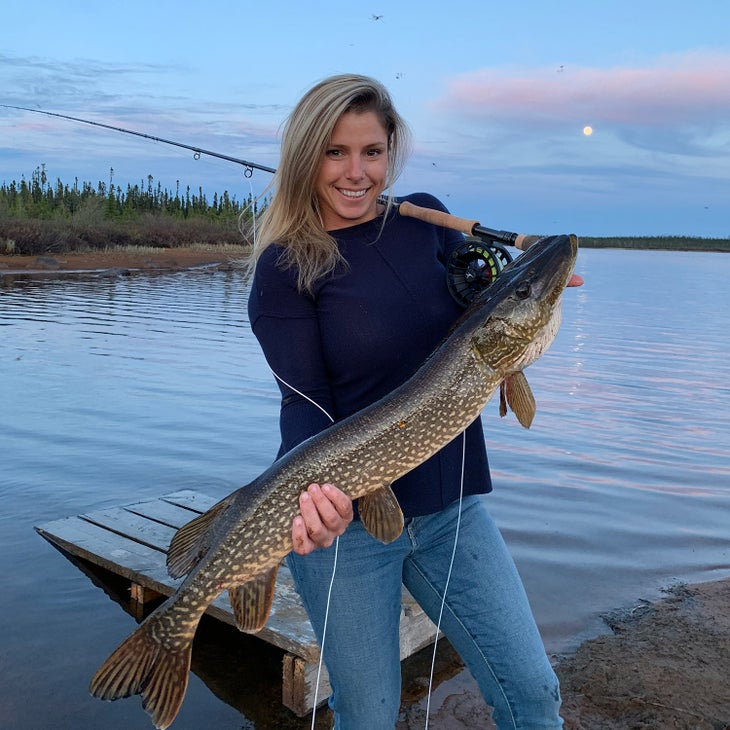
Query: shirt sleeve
[(285, 323)]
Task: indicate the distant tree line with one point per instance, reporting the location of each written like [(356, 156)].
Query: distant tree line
[(39, 199), (672, 243), (39, 217)]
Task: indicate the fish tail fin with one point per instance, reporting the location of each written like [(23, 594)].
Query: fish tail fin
[(143, 666)]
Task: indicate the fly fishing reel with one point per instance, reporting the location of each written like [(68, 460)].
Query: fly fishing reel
[(473, 266)]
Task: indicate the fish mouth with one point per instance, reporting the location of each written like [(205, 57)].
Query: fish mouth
[(548, 263), (549, 250), (562, 254)]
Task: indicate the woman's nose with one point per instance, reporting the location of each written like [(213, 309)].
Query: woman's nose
[(355, 168)]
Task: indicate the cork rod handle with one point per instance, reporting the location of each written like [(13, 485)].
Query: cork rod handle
[(464, 225)]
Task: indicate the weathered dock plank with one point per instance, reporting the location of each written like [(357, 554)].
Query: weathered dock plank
[(132, 541), (123, 522)]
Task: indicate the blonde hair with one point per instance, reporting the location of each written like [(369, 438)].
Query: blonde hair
[(292, 218)]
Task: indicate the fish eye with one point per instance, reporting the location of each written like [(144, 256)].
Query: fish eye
[(523, 290)]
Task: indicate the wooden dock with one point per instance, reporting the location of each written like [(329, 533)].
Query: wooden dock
[(132, 540)]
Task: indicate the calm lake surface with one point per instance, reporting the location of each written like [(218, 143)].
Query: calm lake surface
[(114, 390)]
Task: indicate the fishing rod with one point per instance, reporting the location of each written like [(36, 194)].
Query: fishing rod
[(472, 267), (197, 151), (437, 217)]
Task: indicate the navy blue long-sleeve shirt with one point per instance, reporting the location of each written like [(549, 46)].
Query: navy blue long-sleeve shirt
[(364, 331)]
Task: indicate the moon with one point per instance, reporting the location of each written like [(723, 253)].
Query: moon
[(587, 131)]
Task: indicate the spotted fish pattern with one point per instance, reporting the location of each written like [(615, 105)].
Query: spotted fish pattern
[(239, 543)]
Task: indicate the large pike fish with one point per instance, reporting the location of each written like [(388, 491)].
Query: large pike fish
[(239, 543)]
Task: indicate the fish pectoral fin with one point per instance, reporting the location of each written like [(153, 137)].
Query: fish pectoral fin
[(520, 398), (252, 601), (190, 543), (381, 514)]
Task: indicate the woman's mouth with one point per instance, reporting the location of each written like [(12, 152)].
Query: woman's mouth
[(353, 194)]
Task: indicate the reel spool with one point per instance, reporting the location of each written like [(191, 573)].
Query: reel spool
[(473, 266)]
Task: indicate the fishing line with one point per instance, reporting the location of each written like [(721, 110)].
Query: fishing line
[(252, 208), (334, 566), (324, 632), (334, 570), (303, 395), (448, 576)]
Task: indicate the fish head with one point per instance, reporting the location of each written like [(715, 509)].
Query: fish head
[(517, 317)]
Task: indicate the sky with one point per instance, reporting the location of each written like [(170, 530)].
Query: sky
[(498, 96)]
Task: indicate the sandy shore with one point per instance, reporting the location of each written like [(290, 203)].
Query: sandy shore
[(664, 665), (660, 666), (170, 259)]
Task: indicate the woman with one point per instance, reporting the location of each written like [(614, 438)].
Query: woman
[(348, 298)]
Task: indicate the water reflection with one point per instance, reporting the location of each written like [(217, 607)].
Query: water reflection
[(119, 389)]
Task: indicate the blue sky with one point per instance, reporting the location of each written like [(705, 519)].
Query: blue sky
[(497, 95)]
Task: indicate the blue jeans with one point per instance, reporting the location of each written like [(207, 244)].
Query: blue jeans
[(487, 618)]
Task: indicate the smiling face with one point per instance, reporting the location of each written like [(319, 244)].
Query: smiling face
[(353, 171)]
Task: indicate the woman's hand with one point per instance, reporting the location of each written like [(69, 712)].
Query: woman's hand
[(325, 513)]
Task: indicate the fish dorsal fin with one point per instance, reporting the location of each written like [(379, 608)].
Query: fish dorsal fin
[(520, 398), (252, 601), (381, 514), (190, 542)]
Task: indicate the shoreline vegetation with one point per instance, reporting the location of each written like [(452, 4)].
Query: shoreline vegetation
[(40, 219), (37, 218)]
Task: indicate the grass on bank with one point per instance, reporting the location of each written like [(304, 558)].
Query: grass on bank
[(150, 231)]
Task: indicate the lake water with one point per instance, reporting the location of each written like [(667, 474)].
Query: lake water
[(114, 390)]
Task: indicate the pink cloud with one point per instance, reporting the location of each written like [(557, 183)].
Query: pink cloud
[(686, 89)]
